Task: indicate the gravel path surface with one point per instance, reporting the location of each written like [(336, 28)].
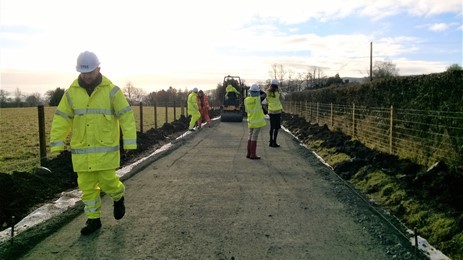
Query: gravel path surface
[(205, 200)]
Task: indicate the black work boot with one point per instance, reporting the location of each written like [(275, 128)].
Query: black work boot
[(119, 208), (91, 226)]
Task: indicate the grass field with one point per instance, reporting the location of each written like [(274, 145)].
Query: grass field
[(19, 133)]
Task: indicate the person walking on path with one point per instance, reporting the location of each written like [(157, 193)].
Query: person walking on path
[(204, 108), (193, 108), (256, 119), (275, 108), (94, 110)]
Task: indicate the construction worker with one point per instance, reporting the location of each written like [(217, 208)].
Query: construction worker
[(231, 89), (231, 95), (193, 108), (256, 119), (94, 110), (204, 108), (274, 111)]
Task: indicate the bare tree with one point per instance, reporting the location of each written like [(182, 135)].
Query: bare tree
[(317, 76), (132, 93), (291, 88), (3, 97), (384, 69), (320, 76), (17, 97), (281, 72), (308, 77), (273, 72), (314, 76), (278, 72), (300, 79), (34, 99)]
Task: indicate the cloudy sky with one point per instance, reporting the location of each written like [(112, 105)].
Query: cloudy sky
[(186, 43)]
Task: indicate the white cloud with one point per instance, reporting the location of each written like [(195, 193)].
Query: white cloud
[(438, 27), (181, 42)]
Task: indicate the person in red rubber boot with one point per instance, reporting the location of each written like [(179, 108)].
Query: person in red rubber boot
[(94, 110), (256, 119)]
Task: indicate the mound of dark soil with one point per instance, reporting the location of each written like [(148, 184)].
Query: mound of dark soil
[(438, 184)]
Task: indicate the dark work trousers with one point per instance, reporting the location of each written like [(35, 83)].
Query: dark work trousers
[(275, 124)]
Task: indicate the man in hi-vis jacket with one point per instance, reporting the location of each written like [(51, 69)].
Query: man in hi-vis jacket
[(94, 110)]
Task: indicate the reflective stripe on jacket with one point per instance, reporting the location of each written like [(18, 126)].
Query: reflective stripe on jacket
[(274, 102), (95, 122), (255, 113)]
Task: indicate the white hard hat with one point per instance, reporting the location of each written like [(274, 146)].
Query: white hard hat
[(275, 82), (195, 90), (87, 62), (254, 88)]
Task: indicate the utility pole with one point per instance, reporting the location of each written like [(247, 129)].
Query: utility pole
[(371, 61)]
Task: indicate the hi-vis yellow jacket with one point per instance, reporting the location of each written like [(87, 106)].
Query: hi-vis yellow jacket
[(94, 122), (255, 113), (193, 108), (274, 102)]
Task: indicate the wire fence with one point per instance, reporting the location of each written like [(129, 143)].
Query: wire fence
[(154, 116), (32, 143), (422, 136)]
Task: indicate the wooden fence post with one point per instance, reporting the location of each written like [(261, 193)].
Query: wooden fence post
[(155, 116), (141, 117), (167, 112), (391, 127), (331, 114), (305, 110), (353, 120), (42, 139), (310, 111), (182, 107), (175, 111)]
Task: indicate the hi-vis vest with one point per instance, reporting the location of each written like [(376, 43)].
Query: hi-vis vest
[(255, 113), (95, 123), (274, 103)]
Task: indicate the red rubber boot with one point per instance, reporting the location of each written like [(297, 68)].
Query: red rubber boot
[(248, 155), (253, 155)]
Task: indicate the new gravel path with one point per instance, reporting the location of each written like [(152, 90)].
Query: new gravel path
[(205, 200)]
